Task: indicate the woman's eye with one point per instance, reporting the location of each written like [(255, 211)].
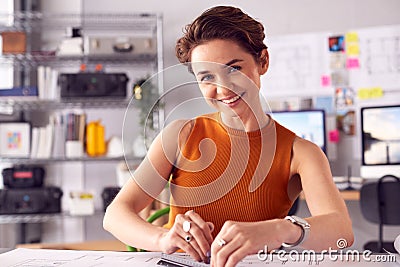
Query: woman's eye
[(206, 78), (234, 68)]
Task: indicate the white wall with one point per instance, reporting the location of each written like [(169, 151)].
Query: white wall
[(279, 16)]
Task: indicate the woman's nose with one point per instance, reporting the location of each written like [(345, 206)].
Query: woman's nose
[(224, 86)]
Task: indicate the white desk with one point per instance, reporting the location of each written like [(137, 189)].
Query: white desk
[(68, 258)]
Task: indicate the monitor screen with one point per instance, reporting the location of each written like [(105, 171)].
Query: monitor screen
[(380, 136), (308, 124)]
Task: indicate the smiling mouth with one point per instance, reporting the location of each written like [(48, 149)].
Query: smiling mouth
[(232, 100)]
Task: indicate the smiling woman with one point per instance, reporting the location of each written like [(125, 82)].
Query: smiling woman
[(231, 82), (234, 173)]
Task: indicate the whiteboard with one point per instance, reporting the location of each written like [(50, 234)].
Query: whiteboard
[(298, 62)]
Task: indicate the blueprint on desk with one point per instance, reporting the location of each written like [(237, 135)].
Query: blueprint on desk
[(23, 257)]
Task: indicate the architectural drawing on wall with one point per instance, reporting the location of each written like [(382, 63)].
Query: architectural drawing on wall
[(379, 58), (296, 65), (383, 55), (298, 61), (289, 68)]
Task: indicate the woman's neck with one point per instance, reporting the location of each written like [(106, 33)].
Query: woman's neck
[(249, 121)]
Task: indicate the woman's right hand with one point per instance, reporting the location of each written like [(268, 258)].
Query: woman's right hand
[(195, 238)]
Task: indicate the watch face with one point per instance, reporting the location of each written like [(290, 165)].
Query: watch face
[(301, 221)]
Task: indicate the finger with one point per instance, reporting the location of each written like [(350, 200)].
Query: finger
[(235, 257), (189, 248), (195, 238), (201, 232), (194, 241), (204, 226), (221, 253), (221, 240), (211, 226)]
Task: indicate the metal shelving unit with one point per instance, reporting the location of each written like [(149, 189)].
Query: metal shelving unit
[(40, 218), (25, 161), (23, 219), (49, 26), (54, 26), (21, 104)]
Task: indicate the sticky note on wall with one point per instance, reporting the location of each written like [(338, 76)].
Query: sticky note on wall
[(334, 136), (373, 92), (353, 49), (351, 37), (352, 63), (325, 80)]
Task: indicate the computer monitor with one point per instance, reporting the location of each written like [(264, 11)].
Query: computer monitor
[(308, 124), (380, 137)]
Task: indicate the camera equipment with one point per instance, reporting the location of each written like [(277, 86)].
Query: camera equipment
[(23, 177), (30, 200)]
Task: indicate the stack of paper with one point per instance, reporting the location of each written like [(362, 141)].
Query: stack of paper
[(47, 82)]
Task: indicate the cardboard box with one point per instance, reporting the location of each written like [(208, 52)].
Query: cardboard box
[(14, 42)]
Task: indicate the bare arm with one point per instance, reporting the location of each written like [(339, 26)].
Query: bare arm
[(329, 219), (121, 217)]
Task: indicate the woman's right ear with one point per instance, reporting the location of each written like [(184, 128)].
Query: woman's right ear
[(264, 61)]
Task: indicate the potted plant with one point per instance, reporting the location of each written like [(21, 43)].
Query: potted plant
[(147, 100)]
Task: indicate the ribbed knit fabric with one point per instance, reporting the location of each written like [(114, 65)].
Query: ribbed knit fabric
[(223, 184)]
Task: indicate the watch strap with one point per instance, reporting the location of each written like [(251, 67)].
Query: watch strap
[(305, 228)]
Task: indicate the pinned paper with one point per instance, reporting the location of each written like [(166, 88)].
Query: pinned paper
[(351, 37), (353, 63), (325, 103), (353, 49), (363, 93), (344, 97), (336, 43), (325, 80), (334, 136), (376, 92), (373, 92)]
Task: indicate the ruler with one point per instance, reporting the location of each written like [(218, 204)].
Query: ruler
[(180, 260)]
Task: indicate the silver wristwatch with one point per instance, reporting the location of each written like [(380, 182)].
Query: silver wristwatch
[(305, 229)]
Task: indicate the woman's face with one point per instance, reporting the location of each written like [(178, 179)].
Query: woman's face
[(228, 76)]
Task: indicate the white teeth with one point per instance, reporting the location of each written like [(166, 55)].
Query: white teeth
[(233, 99)]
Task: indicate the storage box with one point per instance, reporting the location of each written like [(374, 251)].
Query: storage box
[(123, 45), (93, 84), (81, 203), (30, 200), (14, 42)]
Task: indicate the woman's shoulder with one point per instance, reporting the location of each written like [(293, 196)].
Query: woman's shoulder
[(306, 152), (178, 127)]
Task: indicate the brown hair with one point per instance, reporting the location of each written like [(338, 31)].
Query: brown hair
[(222, 22)]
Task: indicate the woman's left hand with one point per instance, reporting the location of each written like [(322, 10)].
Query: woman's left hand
[(239, 239)]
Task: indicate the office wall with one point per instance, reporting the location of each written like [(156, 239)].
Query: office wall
[(279, 16)]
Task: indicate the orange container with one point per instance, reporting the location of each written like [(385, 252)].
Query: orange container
[(95, 139)]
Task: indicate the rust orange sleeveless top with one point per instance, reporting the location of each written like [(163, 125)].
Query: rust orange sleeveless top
[(227, 174)]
